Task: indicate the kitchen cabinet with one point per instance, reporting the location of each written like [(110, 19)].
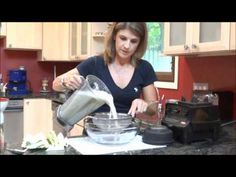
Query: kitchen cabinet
[(77, 129), (98, 31), (55, 42), (87, 39), (2, 29), (72, 41), (80, 40), (65, 41), (233, 37), (26, 36), (38, 116), (196, 38)]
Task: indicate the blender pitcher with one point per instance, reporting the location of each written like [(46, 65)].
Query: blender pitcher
[(83, 101)]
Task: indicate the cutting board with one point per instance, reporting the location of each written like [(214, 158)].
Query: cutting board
[(87, 146)]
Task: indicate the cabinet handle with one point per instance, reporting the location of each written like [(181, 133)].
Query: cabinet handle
[(186, 47)]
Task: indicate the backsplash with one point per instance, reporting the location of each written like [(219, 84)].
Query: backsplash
[(218, 72), (36, 70)]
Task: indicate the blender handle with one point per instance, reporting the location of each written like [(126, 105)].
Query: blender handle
[(83, 81), (69, 92)]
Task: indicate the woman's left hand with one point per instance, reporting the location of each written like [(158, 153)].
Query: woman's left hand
[(138, 106)]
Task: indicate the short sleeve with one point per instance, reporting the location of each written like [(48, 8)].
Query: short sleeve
[(87, 66), (147, 72)]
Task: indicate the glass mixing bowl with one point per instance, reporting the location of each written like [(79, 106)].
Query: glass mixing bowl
[(105, 130), (105, 121)]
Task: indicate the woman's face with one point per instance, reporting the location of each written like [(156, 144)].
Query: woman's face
[(126, 43)]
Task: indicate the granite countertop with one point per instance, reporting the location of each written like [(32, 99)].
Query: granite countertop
[(225, 145), (54, 96)]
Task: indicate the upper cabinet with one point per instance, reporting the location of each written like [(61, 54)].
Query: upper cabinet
[(233, 36), (55, 41), (21, 35), (98, 31), (65, 41), (2, 29), (79, 41), (197, 38), (72, 41)]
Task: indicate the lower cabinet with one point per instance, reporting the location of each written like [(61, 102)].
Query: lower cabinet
[(38, 116)]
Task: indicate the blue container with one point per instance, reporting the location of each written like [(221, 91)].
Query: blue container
[(17, 76), (17, 84)]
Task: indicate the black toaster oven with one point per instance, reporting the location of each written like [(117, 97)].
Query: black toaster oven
[(192, 121)]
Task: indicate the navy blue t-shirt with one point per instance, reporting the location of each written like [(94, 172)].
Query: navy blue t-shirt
[(144, 75)]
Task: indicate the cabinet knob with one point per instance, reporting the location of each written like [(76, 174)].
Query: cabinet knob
[(186, 47), (194, 46)]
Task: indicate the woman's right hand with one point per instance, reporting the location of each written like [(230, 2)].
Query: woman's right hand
[(137, 106), (72, 81)]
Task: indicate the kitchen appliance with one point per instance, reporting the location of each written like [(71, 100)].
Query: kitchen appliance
[(150, 126), (17, 84), (192, 121), (85, 100), (44, 88), (158, 135)]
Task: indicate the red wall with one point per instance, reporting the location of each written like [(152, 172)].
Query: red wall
[(36, 70), (219, 72)]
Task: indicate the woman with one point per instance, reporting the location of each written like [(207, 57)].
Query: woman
[(128, 77)]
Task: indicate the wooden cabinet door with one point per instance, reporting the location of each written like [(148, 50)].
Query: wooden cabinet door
[(65, 41), (196, 38), (233, 36), (38, 116), (2, 29), (87, 39), (72, 41), (210, 37), (98, 30), (177, 37), (24, 35), (79, 40), (55, 41)]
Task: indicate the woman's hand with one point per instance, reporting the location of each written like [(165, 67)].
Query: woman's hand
[(138, 106), (72, 81)]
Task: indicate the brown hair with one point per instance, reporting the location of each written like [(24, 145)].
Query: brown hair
[(138, 28)]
